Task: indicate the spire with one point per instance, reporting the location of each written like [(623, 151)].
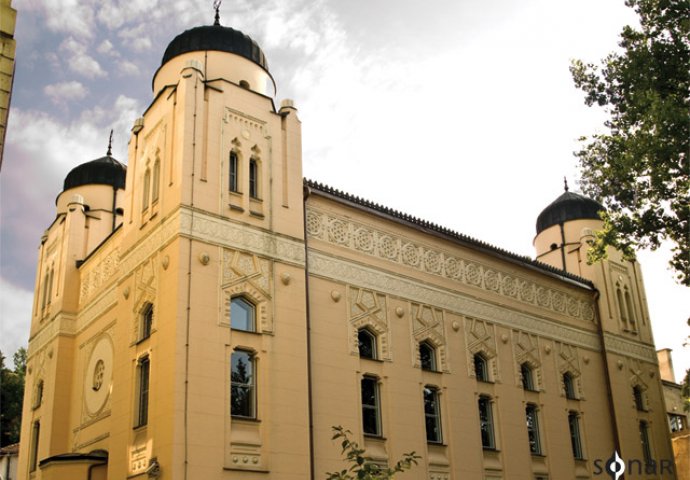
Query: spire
[(565, 183), (110, 144), (216, 7)]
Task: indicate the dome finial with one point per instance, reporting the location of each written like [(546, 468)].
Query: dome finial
[(110, 144), (216, 7), (565, 183)]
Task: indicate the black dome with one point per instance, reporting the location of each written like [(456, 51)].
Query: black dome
[(102, 171), (569, 206), (215, 37)]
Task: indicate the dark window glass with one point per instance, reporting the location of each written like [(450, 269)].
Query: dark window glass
[(569, 386), (253, 179), (527, 376), (486, 423), (146, 191), (143, 393), (533, 429), (146, 321), (481, 369), (575, 442), (242, 314), (367, 343), (427, 356), (242, 394), (646, 446), (233, 172), (371, 422), (155, 187), (35, 434), (639, 399), (676, 422), (432, 415)]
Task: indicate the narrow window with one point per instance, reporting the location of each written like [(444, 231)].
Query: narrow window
[(432, 415), (367, 343), (481, 369), (142, 411), (569, 386), (253, 178), (146, 192), (621, 306), (631, 310), (242, 385), (486, 423), (233, 172), (575, 441), (44, 298), (146, 322), (50, 286), (371, 418), (527, 376), (155, 185), (242, 315), (33, 458), (533, 429), (427, 356), (639, 398), (644, 439), (38, 395)]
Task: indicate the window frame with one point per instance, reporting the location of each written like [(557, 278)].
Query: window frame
[(254, 178), (527, 377), (143, 392), (487, 428), (533, 434), (373, 338), (645, 442), (33, 452), (638, 398), (240, 300), (569, 388), (145, 321), (155, 181), (249, 386), (374, 407), (432, 414), (146, 193), (431, 365), (575, 435), (481, 368), (234, 172), (673, 425)]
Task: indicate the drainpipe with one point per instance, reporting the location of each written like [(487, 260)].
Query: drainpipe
[(307, 191), (563, 246)]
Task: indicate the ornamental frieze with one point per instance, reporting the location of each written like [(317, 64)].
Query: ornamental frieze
[(403, 251)]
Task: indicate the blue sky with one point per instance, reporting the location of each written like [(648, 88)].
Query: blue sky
[(461, 112)]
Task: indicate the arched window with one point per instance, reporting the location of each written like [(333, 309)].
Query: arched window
[(145, 321), (367, 343), (527, 376), (646, 445), (155, 185), (242, 315), (569, 386), (481, 367), (33, 452), (621, 306), (242, 385), (432, 414), (146, 191), (234, 172), (427, 356), (631, 310), (253, 178), (638, 397), (371, 417)]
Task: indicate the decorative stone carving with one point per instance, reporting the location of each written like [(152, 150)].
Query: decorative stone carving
[(568, 360), (428, 325), (93, 278), (368, 309), (481, 338), (248, 275), (145, 291), (526, 350), (98, 375)]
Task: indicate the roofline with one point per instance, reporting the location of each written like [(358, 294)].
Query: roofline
[(445, 233)]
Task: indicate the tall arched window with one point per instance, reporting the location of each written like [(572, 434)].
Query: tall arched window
[(481, 367), (432, 414), (242, 385), (527, 375), (427, 356), (569, 386), (486, 423), (631, 310), (155, 184), (145, 321), (638, 397), (367, 343), (621, 306), (371, 417), (146, 191), (253, 178), (242, 315), (233, 172)]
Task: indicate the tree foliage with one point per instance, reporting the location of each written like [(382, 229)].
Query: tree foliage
[(639, 168), (11, 396), (362, 467)]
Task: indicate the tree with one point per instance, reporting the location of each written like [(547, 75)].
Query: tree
[(639, 169), (11, 396), (363, 468)]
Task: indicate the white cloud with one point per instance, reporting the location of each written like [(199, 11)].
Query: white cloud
[(79, 60), (106, 48), (61, 93), (126, 67), (75, 17), (15, 315)]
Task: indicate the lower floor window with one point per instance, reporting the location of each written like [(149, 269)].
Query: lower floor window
[(432, 415), (143, 374), (242, 385), (486, 423), (533, 429), (371, 420), (575, 440)]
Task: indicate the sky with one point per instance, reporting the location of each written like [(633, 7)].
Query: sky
[(460, 112)]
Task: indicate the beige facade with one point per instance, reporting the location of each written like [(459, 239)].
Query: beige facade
[(215, 318), (676, 414), (8, 18)]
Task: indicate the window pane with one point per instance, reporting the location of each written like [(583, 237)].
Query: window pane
[(253, 179), (486, 423), (480, 368), (432, 414), (233, 172), (532, 429), (242, 385), (370, 406), (644, 438), (143, 397), (146, 321), (527, 377), (569, 386), (427, 356), (241, 314), (639, 400), (367, 343), (574, 425)]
